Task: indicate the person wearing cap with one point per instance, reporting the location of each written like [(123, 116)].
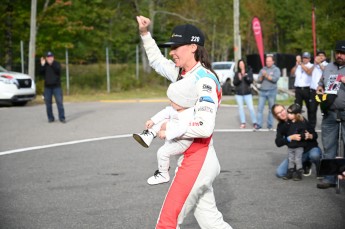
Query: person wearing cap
[(332, 83), (296, 124), (303, 74), (191, 189), (319, 65), (268, 78), (180, 112), (51, 72), (311, 151)]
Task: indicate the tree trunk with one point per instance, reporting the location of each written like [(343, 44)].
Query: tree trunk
[(8, 36)]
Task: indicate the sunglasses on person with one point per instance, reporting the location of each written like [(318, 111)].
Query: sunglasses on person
[(278, 113)]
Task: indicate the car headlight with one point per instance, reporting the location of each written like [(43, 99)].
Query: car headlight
[(9, 80)]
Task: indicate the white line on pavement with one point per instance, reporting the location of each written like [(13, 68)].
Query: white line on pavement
[(62, 144), (109, 137)]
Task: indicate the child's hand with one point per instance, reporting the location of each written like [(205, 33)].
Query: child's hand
[(295, 137), (149, 124)]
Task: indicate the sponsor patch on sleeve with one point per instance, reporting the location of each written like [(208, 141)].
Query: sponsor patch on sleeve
[(206, 99), (206, 87), (206, 108)]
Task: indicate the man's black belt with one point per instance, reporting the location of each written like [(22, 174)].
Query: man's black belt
[(302, 88)]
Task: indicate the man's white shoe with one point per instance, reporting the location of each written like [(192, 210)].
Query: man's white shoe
[(158, 178), (145, 138)]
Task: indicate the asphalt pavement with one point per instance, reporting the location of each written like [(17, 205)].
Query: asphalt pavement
[(90, 173)]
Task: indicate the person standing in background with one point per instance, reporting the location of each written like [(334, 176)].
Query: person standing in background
[(51, 71), (303, 71), (268, 78), (332, 84), (242, 80), (319, 65)]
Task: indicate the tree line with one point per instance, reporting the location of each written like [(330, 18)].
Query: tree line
[(87, 27)]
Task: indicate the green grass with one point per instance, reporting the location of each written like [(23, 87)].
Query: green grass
[(285, 102), (156, 92), (88, 83), (153, 92)]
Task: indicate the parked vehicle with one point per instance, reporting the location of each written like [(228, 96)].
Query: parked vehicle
[(225, 71), (16, 88)]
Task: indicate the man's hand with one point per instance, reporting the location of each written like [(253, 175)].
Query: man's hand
[(43, 61), (320, 90), (342, 79), (298, 60)]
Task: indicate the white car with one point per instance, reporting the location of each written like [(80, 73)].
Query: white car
[(225, 72), (16, 88)]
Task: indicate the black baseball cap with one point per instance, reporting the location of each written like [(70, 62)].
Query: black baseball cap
[(185, 34), (49, 53), (340, 46), (295, 109)]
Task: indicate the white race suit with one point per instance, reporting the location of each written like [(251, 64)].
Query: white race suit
[(191, 188)]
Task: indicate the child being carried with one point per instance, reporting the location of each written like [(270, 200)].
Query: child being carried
[(180, 112)]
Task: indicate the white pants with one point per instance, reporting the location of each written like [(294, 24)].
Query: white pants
[(191, 190), (171, 148)]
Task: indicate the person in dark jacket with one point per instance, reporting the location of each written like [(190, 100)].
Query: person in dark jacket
[(242, 80), (312, 151), (51, 70)]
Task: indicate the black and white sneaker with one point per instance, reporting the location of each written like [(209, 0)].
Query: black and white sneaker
[(307, 168), (158, 178), (145, 138)]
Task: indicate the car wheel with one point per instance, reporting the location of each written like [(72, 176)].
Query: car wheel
[(21, 103), (227, 88)]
